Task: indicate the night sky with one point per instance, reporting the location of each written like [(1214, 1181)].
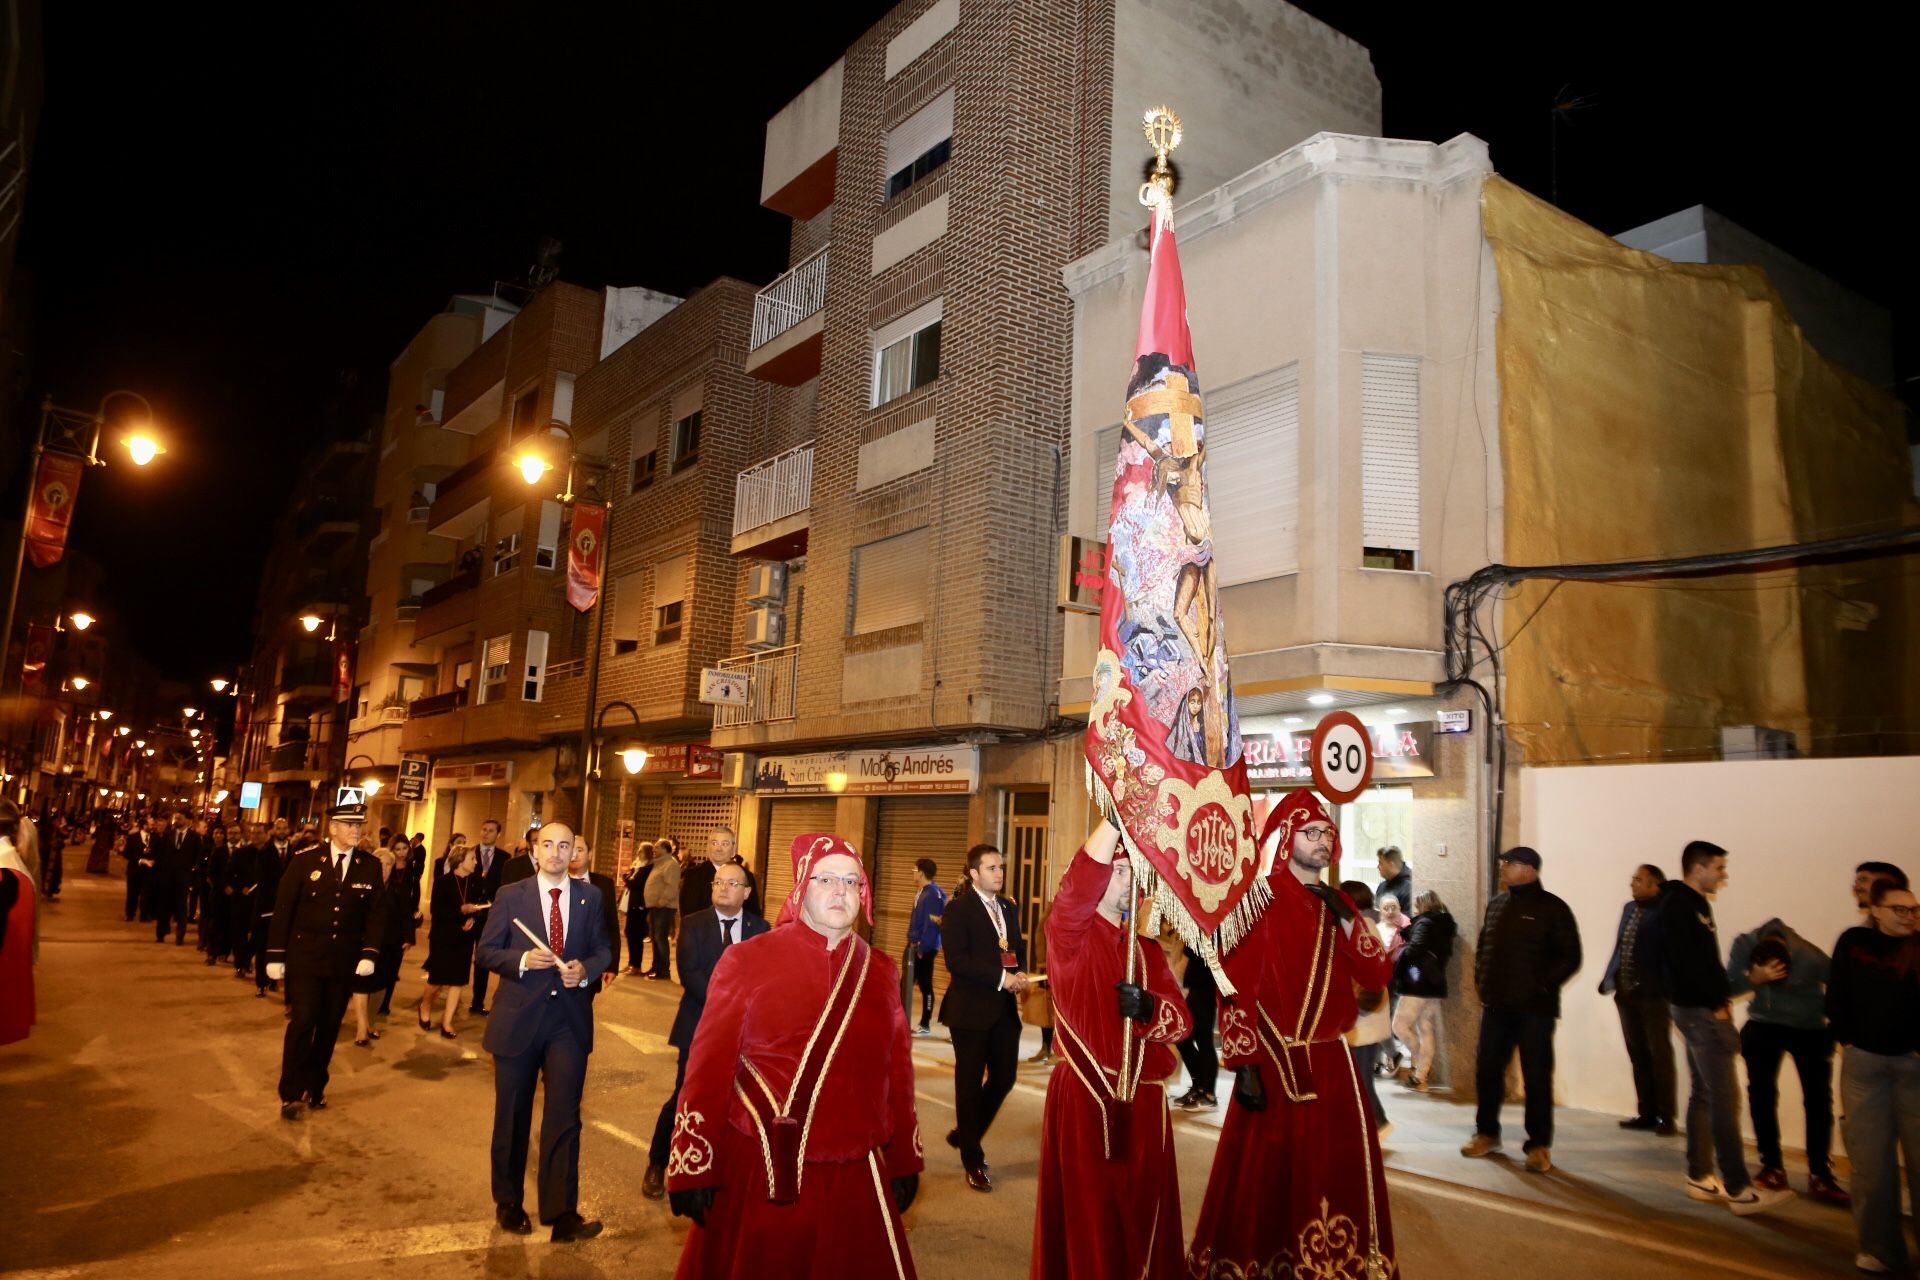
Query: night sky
[(246, 223)]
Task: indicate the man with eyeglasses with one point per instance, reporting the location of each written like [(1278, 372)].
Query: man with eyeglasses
[(1529, 946), (1873, 1008), (705, 936), (1299, 1157), (795, 1133)]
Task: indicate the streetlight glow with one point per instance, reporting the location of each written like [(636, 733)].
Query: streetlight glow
[(310, 621), (104, 713), (219, 684), (189, 712), (80, 619), (634, 758), (79, 682), (123, 730), (532, 467), (143, 448), (371, 786)]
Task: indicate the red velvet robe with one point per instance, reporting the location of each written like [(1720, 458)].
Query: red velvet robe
[(767, 999), (1109, 1202), (16, 961), (1297, 1189)]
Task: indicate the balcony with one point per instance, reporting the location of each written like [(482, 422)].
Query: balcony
[(448, 606), (462, 499), (310, 678), (773, 683), (324, 525), (437, 704), (771, 505), (298, 762), (788, 322)]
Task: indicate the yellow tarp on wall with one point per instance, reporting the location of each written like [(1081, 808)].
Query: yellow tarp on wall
[(1652, 409)]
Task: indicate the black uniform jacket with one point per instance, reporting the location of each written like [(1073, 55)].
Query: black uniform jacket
[(323, 924)]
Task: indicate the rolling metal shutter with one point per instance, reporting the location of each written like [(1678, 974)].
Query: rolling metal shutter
[(692, 818), (648, 808), (789, 818), (912, 828), (1390, 451), (919, 133), (890, 582), (1253, 476)]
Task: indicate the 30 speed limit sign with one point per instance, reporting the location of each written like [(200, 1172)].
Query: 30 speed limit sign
[(1342, 757)]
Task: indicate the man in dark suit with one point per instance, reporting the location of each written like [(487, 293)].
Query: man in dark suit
[(243, 882), (176, 854), (271, 861), (581, 868), (140, 857), (543, 1028), (1632, 978), (703, 936), (696, 884), (986, 956), (328, 918), (491, 866)]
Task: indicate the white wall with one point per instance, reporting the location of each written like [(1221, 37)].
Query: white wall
[(1794, 830)]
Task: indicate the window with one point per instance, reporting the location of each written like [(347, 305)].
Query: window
[(643, 469), (919, 145), (889, 583), (1253, 476), (1106, 453), (493, 675), (546, 551), (629, 612), (686, 442), (525, 406), (906, 354), (534, 682), (359, 701), (506, 542), (1390, 461), (669, 599), (462, 675), (412, 687)]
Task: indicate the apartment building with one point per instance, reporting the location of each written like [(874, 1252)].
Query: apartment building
[(898, 525)]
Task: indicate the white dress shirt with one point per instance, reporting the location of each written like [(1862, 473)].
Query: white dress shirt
[(735, 918), (565, 885)]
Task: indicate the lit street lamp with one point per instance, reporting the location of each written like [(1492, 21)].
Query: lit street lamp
[(219, 684), (80, 619)]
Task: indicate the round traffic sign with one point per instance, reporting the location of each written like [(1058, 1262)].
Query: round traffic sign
[(1342, 757)]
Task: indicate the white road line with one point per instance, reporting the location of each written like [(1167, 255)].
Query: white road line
[(617, 1132)]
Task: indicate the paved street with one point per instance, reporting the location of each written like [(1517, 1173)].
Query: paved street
[(142, 1138)]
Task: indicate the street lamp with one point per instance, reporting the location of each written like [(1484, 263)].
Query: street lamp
[(80, 619), (371, 786), (310, 622), (189, 712), (79, 682), (219, 684), (104, 713), (634, 758)]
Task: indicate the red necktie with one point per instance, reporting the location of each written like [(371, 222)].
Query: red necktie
[(556, 932)]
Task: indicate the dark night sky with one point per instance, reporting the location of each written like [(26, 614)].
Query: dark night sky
[(240, 221)]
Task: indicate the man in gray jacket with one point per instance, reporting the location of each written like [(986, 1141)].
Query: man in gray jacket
[(662, 896)]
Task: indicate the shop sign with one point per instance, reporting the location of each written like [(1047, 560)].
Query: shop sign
[(1286, 759), (1083, 573), (896, 771), (1460, 721), (249, 795), (484, 773), (694, 759), (723, 688)]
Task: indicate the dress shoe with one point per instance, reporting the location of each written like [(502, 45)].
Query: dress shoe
[(363, 1044), (293, 1110), (571, 1226), (1646, 1123), (512, 1217), (653, 1183), (953, 1139), (979, 1179), (1666, 1129), (449, 1035)]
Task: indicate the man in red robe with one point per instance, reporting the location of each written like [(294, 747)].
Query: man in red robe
[(1297, 1187), (796, 1148), (1109, 1202)]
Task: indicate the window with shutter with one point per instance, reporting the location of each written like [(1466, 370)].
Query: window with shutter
[(686, 441), (525, 406), (919, 145), (547, 550), (669, 599), (1106, 451), (1253, 476), (629, 611), (506, 543), (906, 353), (493, 668), (535, 682), (1390, 460), (889, 583), (643, 438)]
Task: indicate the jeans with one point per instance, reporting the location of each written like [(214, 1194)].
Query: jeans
[(1416, 1024), (1365, 1058), (660, 923), (1713, 1106), (1763, 1044), (1647, 1027), (923, 979), (1880, 1118), (1197, 1053), (1501, 1032)]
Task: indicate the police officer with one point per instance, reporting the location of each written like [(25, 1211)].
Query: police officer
[(326, 928)]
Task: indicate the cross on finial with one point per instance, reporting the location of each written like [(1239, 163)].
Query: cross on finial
[(1162, 128)]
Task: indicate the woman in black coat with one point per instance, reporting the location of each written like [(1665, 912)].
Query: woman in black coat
[(457, 896), (1420, 980)]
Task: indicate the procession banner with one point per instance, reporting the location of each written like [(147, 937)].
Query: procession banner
[(1163, 742), (56, 483), (586, 551)]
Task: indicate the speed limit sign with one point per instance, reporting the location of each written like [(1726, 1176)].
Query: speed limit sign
[(1342, 757)]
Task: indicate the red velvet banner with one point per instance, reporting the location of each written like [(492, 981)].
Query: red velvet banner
[(586, 552), (56, 483)]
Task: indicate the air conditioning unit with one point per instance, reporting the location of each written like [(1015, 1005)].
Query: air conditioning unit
[(736, 771), (767, 582), (766, 629)]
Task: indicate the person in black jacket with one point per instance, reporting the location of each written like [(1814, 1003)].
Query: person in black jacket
[(1420, 980), (1695, 976), (1529, 946), (176, 853), (636, 891), (1633, 980), (986, 962)]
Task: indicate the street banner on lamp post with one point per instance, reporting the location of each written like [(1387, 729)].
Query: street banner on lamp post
[(33, 663), (56, 482), (342, 672), (586, 550)]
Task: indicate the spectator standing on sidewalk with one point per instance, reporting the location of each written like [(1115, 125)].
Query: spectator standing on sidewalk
[(1420, 980), (662, 900), (1873, 1006), (1697, 988), (923, 937), (635, 897), (1633, 980), (1396, 878), (1788, 1015), (1529, 946)]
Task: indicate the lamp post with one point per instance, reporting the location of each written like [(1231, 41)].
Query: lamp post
[(634, 758), (346, 771)]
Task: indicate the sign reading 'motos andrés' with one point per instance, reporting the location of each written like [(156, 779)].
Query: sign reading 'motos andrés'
[(892, 771)]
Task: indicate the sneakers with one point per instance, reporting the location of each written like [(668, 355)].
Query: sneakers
[(1823, 1188), (1771, 1179), (1708, 1189), (1196, 1100), (1540, 1160), (1871, 1265), (1480, 1145), (923, 1031), (1757, 1199)]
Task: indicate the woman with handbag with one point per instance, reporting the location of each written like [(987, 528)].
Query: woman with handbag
[(1420, 980)]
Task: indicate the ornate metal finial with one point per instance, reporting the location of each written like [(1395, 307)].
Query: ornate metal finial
[(1162, 128)]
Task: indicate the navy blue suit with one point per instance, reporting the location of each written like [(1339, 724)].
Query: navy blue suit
[(540, 1027)]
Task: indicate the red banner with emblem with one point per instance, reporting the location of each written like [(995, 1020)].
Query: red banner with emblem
[(586, 553), (342, 671), (33, 663), (56, 483)]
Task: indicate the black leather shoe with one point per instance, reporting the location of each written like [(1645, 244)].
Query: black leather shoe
[(653, 1183), (1666, 1128), (571, 1226), (512, 1217), (953, 1139), (317, 1104), (979, 1179), (293, 1110)]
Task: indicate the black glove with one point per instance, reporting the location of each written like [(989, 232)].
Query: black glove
[(1246, 1089), (692, 1204), (1334, 900), (904, 1190), (1135, 1002)]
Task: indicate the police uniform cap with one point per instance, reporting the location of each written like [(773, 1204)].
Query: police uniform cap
[(348, 813)]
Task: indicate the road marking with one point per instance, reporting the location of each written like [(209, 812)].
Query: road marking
[(622, 1134), (644, 1041)]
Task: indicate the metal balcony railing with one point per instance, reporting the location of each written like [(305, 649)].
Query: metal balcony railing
[(790, 299), (437, 704), (465, 580), (774, 489), (305, 757), (773, 682)]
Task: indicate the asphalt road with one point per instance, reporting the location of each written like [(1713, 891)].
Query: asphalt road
[(140, 1135)]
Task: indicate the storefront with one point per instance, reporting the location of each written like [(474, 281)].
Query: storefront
[(678, 794)]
